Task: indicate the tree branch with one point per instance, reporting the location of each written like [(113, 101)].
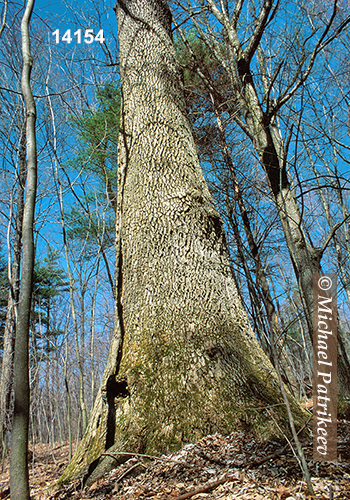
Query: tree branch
[(4, 18), (319, 46), (207, 487), (41, 96), (258, 30), (236, 13), (331, 234)]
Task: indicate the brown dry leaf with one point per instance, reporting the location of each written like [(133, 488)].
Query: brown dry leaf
[(284, 492), (5, 493), (210, 459)]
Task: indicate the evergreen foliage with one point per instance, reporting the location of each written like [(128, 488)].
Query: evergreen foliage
[(96, 159), (97, 134), (50, 281)]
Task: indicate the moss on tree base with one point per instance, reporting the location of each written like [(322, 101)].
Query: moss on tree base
[(167, 406), (188, 363)]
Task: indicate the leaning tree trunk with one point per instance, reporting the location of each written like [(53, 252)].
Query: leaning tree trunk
[(184, 361)]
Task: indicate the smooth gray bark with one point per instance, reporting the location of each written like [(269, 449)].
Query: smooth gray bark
[(19, 483)]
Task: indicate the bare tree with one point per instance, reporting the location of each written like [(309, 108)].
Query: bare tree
[(19, 439), (259, 90), (6, 378), (262, 85)]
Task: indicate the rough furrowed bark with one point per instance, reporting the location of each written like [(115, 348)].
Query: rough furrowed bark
[(94, 440), (190, 363)]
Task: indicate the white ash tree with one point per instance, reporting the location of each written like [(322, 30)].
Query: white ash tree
[(183, 361)]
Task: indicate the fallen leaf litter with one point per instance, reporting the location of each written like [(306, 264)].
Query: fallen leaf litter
[(216, 467)]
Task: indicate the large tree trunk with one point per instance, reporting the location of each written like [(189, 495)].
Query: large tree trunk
[(187, 361)]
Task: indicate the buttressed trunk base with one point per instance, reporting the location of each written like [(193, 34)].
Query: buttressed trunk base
[(190, 363)]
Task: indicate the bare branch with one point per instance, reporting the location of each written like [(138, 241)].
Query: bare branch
[(236, 13), (219, 15), (4, 18), (331, 234), (230, 29), (41, 96), (318, 47), (258, 30)]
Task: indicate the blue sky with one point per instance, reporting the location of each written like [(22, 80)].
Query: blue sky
[(61, 67), (69, 14)]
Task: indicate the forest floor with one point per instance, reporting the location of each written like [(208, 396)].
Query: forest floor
[(216, 467)]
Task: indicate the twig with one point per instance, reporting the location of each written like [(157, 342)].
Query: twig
[(206, 487), (129, 470), (277, 453), (145, 456), (60, 446), (301, 458)]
